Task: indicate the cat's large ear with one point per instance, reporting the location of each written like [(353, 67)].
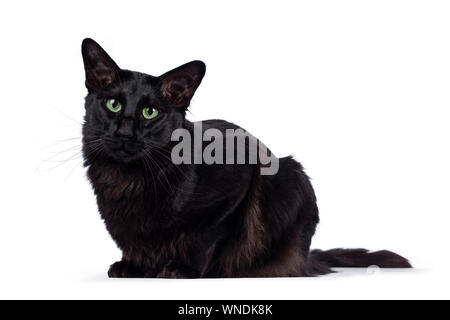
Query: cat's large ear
[(101, 70), (179, 85)]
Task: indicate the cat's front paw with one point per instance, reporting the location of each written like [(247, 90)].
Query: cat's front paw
[(123, 269), (174, 271)]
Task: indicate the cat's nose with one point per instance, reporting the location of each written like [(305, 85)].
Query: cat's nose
[(126, 129)]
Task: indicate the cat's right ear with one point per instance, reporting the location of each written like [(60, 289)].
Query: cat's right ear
[(101, 70)]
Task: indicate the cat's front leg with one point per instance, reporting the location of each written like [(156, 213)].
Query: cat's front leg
[(124, 269), (174, 270)]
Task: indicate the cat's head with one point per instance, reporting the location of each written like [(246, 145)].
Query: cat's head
[(130, 113)]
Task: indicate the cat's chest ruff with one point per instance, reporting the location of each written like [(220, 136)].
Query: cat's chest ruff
[(127, 203), (114, 183)]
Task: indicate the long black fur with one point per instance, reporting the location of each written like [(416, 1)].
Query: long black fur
[(199, 220)]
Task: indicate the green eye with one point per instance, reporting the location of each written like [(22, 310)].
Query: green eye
[(149, 113), (113, 105)]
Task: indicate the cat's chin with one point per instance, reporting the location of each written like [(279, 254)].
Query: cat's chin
[(124, 157)]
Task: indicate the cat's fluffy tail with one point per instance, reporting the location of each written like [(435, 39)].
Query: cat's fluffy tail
[(321, 262)]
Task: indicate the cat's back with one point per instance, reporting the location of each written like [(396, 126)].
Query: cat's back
[(218, 124)]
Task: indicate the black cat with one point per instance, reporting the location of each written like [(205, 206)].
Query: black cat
[(193, 220)]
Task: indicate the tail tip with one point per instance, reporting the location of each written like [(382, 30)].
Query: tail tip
[(389, 259)]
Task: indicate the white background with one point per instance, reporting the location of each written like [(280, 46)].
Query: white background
[(358, 91)]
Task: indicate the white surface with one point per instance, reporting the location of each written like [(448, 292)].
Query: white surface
[(358, 91)]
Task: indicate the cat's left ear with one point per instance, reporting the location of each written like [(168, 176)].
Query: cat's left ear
[(178, 85), (101, 70)]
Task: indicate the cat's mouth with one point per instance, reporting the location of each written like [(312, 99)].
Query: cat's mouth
[(124, 151)]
